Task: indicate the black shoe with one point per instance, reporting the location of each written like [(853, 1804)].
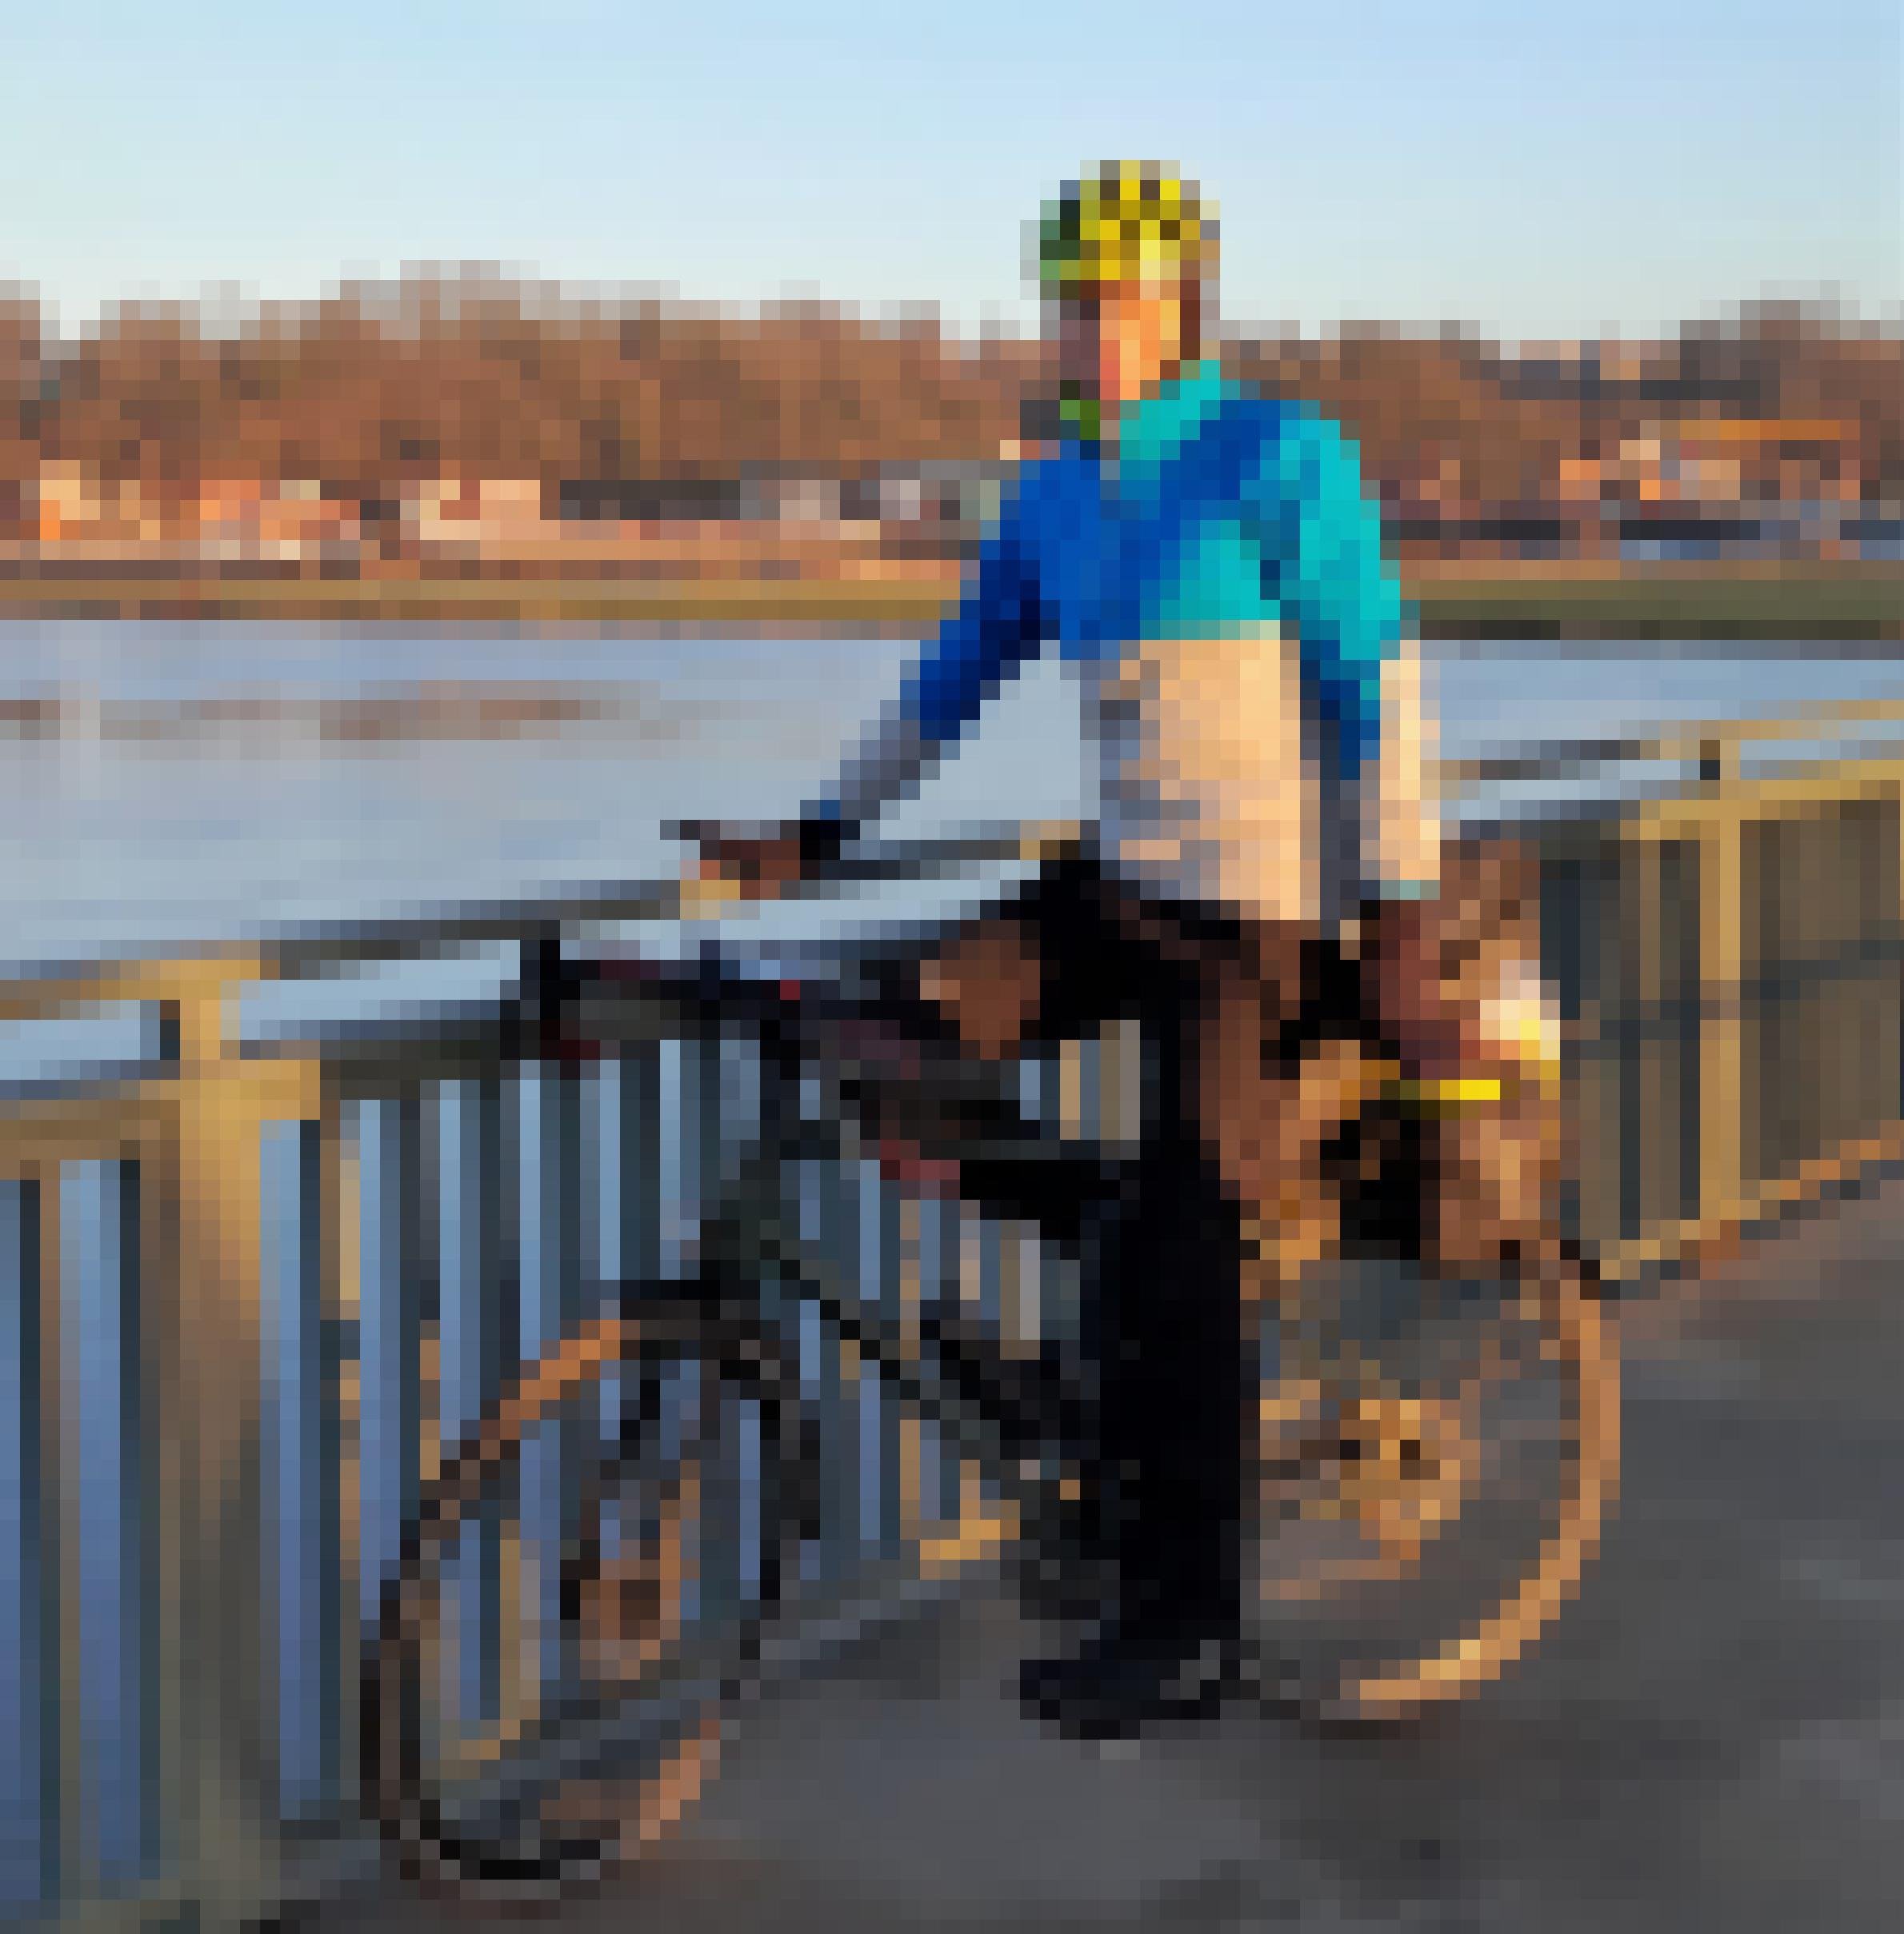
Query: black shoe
[(1117, 1685)]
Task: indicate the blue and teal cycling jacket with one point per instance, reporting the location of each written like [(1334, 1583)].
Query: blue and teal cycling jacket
[(1216, 579)]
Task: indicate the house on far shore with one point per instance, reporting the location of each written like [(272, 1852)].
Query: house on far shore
[(943, 498), (669, 500), (475, 509), (279, 520)]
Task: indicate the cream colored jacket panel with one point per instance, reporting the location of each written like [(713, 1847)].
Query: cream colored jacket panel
[(1214, 788)]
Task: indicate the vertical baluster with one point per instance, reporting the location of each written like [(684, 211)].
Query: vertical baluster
[(1825, 832), (473, 1326), (926, 1240), (1603, 1011), (1844, 1003), (682, 1393), (548, 1112), (390, 1333), (1020, 1284), (1770, 902), (1120, 1083), (1821, 833), (602, 1260), (768, 1105), (599, 1260), (1801, 943), (640, 1098), (301, 1443), (606, 1174), (691, 1100), (742, 1097), (1758, 966), (878, 1273), (741, 1092), (839, 1426), (1862, 1022), (1641, 1159), (1675, 1158), (979, 1293), (940, 1242), (907, 1432), (705, 1130), (624, 1135), (1811, 938), (1857, 1029), (1796, 938), (1039, 1089), (679, 1177), (1818, 921), (1817, 829), (391, 1312), (1062, 1085), (819, 1362), (28, 1604), (751, 1112), (110, 1483), (630, 1099), (1884, 1057), (1680, 884), (1560, 940), (1072, 1086), (1855, 1021), (341, 1207), (68, 1855), (1845, 1041), (979, 1268)]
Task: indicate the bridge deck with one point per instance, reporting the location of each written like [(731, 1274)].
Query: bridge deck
[(1712, 1738)]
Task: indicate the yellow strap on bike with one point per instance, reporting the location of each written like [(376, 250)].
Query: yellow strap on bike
[(1446, 1096)]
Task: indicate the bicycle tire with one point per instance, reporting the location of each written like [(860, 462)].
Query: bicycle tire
[(1574, 1338), (550, 1852)]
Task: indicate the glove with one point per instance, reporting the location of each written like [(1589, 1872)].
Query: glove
[(764, 859)]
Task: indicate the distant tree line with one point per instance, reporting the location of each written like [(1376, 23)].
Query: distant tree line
[(380, 385)]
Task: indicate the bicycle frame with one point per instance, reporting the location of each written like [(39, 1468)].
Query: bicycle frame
[(949, 1369)]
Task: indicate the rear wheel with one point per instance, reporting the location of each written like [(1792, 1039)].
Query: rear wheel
[(1436, 1461)]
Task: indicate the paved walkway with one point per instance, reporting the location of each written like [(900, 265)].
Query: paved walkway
[(1712, 1740)]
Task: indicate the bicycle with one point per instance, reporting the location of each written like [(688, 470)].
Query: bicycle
[(1435, 1464)]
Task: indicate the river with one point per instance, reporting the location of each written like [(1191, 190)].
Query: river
[(166, 784)]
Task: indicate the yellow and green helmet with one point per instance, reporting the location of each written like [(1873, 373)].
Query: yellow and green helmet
[(1125, 223)]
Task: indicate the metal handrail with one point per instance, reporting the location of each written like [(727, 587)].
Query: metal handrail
[(1712, 744), (313, 950)]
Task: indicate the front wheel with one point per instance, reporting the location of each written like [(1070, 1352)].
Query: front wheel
[(568, 1625)]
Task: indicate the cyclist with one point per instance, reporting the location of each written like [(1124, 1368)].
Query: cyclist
[(1262, 877)]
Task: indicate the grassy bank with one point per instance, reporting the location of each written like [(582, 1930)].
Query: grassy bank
[(1849, 602), (1846, 602)]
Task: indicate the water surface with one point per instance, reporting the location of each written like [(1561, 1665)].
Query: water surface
[(183, 783)]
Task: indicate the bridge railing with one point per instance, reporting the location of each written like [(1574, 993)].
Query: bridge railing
[(249, 1291), (252, 1291), (1724, 927)]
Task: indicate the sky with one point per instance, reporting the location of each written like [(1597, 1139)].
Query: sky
[(1527, 170)]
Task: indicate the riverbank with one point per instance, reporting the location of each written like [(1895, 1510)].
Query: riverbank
[(1558, 600), (1649, 602)]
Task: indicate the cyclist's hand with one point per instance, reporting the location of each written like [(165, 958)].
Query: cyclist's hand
[(762, 861)]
